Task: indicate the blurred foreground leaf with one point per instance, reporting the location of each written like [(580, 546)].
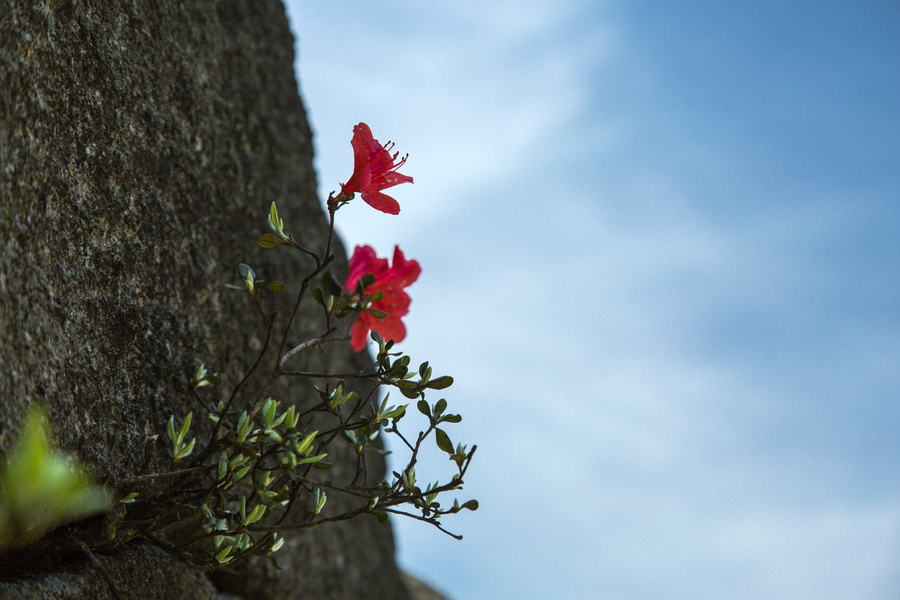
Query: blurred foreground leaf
[(41, 489)]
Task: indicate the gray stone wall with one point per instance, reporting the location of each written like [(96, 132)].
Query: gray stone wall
[(140, 146)]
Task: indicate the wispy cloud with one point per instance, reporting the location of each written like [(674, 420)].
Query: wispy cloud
[(678, 361)]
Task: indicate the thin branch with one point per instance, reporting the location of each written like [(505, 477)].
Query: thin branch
[(99, 566), (310, 343), (434, 522), (372, 376)]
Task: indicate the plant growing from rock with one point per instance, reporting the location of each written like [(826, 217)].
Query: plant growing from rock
[(264, 468)]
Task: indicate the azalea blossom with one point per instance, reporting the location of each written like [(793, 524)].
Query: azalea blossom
[(374, 169), (391, 281)]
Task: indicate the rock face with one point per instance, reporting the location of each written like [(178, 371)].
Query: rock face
[(140, 146)]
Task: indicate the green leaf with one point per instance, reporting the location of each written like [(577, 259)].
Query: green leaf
[(440, 407), (244, 270), (241, 474), (268, 411), (222, 557), (381, 516), (223, 466), (255, 515), (184, 426), (291, 418), (275, 286), (274, 221), (41, 489), (209, 380), (243, 427), (170, 429), (303, 445), (394, 412), (440, 383), (129, 498), (330, 284), (423, 407), (311, 459), (450, 419), (185, 450), (276, 224), (443, 441), (411, 394), (471, 505), (321, 498), (268, 241)]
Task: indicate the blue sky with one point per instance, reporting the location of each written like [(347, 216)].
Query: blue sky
[(659, 245)]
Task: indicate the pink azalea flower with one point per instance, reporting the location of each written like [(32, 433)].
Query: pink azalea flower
[(374, 169), (390, 281)]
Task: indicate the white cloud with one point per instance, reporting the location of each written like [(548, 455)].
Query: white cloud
[(631, 439)]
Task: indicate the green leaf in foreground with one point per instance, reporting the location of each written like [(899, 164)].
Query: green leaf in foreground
[(41, 489)]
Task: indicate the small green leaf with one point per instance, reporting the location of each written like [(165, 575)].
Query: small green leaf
[(303, 445), (275, 223), (241, 474), (440, 383), (268, 241), (170, 429), (129, 498), (411, 394), (244, 270), (209, 380), (423, 407), (184, 426), (440, 407), (291, 418), (311, 459), (443, 441), (471, 505), (321, 498), (255, 515), (275, 286), (330, 284), (268, 411), (185, 450), (222, 557)]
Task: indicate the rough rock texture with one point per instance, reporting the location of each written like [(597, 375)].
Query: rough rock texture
[(140, 146), (137, 571)]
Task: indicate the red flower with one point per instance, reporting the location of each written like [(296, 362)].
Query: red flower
[(391, 282), (374, 169)]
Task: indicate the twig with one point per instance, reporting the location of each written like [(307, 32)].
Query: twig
[(99, 566)]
